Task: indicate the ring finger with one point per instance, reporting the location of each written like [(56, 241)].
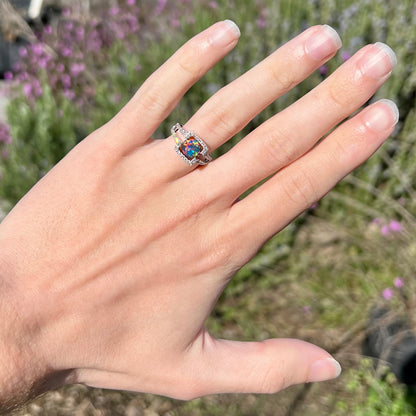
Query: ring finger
[(231, 108)]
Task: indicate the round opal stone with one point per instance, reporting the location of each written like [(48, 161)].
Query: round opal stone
[(190, 148)]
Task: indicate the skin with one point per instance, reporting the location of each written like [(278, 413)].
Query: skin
[(111, 264)]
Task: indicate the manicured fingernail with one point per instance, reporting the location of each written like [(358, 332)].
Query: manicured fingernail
[(323, 43), (325, 369), (379, 61), (382, 116), (226, 33)]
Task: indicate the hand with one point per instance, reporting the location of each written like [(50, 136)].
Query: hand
[(115, 259)]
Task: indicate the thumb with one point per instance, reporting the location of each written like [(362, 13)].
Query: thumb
[(262, 367)]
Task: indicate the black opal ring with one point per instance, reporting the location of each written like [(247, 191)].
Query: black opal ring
[(190, 148)]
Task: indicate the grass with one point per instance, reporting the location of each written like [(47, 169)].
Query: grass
[(318, 278)]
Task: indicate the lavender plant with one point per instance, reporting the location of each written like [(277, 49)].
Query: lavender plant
[(87, 65), (78, 75)]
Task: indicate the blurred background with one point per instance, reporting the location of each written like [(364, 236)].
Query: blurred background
[(341, 276)]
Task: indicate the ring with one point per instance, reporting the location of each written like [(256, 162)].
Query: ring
[(192, 148)]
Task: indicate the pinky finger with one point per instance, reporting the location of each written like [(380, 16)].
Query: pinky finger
[(295, 188)]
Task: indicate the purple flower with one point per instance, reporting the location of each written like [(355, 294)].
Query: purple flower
[(174, 21), (60, 67), (261, 22), (66, 12), (69, 26), (307, 309), (388, 293), (131, 2), (47, 30), (398, 282), (23, 52), (395, 226), (4, 129), (160, 6), (66, 51), (5, 134), (23, 76), (66, 81), (80, 33), (36, 88), (119, 32), (385, 230), (8, 76), (37, 49), (43, 62), (114, 11), (69, 94), (345, 55), (27, 90), (323, 70), (132, 22), (213, 5), (94, 42), (376, 221), (76, 69)]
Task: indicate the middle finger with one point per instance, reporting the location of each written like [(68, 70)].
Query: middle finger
[(294, 131)]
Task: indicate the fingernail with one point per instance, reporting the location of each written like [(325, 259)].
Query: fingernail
[(382, 116), (378, 61), (323, 43), (226, 33), (325, 369)]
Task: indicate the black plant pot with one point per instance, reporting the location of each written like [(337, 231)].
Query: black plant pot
[(9, 50), (389, 338), (9, 53)]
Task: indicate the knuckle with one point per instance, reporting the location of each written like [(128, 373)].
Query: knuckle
[(270, 377), (341, 150), (98, 156), (223, 124), (299, 189), (218, 256), (187, 65), (152, 101), (284, 79), (341, 94), (270, 383), (219, 248), (280, 148), (189, 60)]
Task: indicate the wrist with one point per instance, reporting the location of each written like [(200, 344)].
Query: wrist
[(24, 371)]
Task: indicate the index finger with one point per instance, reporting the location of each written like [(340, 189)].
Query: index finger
[(161, 92)]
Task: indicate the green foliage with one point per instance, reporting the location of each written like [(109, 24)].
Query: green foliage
[(337, 277), (383, 395), (42, 135), (265, 24)]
